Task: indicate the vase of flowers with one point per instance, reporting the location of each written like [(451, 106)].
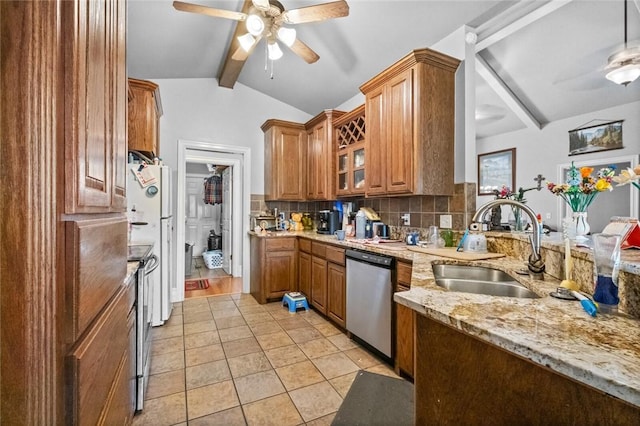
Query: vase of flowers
[(505, 192), (579, 192)]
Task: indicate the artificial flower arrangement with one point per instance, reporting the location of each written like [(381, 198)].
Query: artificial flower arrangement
[(629, 175), (581, 187)]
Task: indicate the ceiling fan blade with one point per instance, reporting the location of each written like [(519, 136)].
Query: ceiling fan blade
[(261, 4), (210, 11), (304, 51), (319, 12)]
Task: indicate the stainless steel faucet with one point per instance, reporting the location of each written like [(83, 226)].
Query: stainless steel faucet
[(536, 264)]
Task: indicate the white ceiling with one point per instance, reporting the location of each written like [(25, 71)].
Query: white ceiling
[(552, 67)]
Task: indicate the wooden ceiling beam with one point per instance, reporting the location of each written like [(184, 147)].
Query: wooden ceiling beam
[(232, 67)]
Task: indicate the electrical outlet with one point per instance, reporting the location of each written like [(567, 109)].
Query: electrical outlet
[(445, 221), (547, 216), (406, 219)]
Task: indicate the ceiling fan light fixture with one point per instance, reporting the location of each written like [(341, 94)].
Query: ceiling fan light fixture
[(247, 41), (624, 66), (275, 52), (625, 74), (287, 35), (255, 25)]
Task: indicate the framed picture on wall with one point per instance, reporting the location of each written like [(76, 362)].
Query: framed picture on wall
[(599, 137), (496, 169)]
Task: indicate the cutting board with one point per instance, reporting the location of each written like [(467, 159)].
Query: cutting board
[(453, 254)]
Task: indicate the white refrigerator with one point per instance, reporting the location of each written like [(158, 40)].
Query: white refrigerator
[(149, 209)]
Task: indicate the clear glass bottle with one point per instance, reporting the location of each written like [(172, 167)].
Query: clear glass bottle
[(606, 254)]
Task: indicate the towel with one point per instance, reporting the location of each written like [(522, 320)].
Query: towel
[(213, 190)]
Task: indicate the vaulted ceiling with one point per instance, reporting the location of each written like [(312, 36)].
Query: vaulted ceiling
[(537, 61)]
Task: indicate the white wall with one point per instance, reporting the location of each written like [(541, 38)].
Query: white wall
[(198, 109), (541, 151)]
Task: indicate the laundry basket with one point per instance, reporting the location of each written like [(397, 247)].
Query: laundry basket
[(212, 259)]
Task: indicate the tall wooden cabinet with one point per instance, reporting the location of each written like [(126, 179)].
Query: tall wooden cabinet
[(145, 110), (410, 110), (284, 166), (320, 156), (64, 163)]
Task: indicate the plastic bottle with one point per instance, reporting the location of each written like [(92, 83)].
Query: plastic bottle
[(361, 223)]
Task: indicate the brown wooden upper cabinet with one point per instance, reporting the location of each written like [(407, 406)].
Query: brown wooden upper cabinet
[(320, 156), (145, 110), (409, 117), (284, 166), (350, 154), (95, 106)]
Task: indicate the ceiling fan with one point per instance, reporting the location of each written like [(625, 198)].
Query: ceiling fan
[(266, 19)]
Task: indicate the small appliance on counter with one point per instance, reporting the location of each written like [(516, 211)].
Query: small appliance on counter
[(328, 221)]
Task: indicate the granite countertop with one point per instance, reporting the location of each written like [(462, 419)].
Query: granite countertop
[(603, 352)]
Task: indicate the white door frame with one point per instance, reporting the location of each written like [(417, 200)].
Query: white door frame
[(240, 159)]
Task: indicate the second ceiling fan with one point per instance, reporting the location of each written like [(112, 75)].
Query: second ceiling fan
[(266, 19)]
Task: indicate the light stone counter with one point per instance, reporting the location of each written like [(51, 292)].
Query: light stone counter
[(603, 352)]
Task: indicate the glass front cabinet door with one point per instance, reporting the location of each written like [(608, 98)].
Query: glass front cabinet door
[(350, 170)]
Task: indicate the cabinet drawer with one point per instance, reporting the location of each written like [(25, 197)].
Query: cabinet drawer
[(97, 265), (305, 245), (335, 255), (403, 273), (280, 244), (94, 361), (319, 249)]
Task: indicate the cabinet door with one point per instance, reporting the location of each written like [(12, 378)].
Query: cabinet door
[(92, 110), (289, 164), (304, 274), (319, 284), (280, 273), (399, 134), (404, 337), (336, 287), (375, 145), (319, 160)]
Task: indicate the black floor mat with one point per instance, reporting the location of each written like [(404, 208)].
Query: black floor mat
[(374, 399)]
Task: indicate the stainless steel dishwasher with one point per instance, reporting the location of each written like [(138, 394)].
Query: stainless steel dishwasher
[(369, 298)]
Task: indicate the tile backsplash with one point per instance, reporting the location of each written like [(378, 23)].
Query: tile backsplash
[(424, 210)]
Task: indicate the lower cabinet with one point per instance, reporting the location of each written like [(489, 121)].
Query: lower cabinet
[(100, 316), (319, 284), (304, 274), (404, 329), (337, 294), (463, 380), (273, 267), (328, 281)]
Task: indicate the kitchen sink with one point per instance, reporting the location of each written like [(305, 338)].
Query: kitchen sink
[(480, 280)]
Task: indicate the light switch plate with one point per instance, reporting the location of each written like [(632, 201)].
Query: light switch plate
[(406, 219), (445, 221)]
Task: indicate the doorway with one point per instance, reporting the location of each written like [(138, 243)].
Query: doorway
[(236, 160)]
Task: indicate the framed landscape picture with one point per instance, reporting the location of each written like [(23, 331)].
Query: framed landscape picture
[(600, 137), (496, 169)]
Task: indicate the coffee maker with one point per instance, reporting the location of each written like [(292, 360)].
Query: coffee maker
[(329, 221)]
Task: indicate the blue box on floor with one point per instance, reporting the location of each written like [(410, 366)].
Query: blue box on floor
[(294, 301)]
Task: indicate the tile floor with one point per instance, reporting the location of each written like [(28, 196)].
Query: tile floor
[(226, 360)]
